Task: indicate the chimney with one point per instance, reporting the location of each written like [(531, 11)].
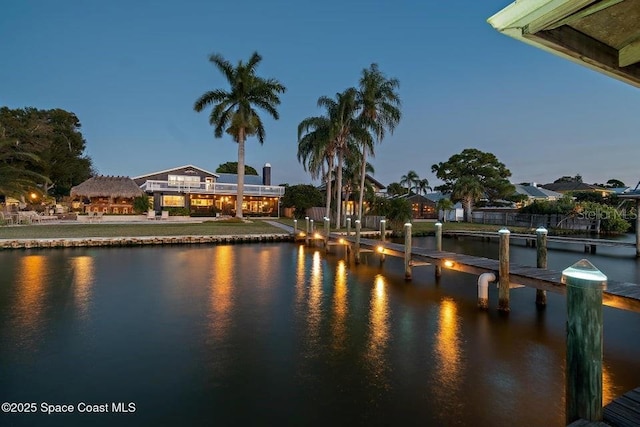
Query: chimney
[(266, 174)]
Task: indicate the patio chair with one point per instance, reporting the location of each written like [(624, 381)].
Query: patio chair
[(6, 219), (151, 214), (165, 215)]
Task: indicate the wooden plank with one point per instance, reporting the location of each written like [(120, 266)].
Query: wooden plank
[(629, 54)]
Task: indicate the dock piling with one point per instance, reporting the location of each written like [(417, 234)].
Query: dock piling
[(407, 251), (356, 253), (326, 234), (348, 226), (306, 236), (383, 233), (541, 257), (438, 246), (503, 274), (583, 390)]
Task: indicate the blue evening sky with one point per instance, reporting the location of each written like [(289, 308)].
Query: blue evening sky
[(131, 71)]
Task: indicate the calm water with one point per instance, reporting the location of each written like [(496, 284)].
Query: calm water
[(284, 335)]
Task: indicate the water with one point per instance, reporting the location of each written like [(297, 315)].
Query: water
[(278, 334)]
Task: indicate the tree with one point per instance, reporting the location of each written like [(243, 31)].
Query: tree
[(396, 189), (444, 205), (379, 105), (301, 197), (234, 111), (490, 174), (615, 183), (468, 190), (54, 137), (15, 179), (396, 210), (411, 180), (423, 186), (566, 178), (232, 167)]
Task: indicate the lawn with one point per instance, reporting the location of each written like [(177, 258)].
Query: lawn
[(211, 228)]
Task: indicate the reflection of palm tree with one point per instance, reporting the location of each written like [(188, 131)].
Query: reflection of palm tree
[(423, 186), (467, 189), (380, 111), (234, 110), (411, 179)]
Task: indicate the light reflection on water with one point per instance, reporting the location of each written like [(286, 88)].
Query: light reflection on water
[(277, 334)]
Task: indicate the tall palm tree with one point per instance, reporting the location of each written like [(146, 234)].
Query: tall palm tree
[(411, 180), (467, 189), (316, 149), (234, 110), (423, 186), (380, 112), (444, 205)]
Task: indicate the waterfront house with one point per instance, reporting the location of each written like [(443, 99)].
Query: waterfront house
[(105, 195), (199, 192), (421, 206), (536, 193), (577, 187)]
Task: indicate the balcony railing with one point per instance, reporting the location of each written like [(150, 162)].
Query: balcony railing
[(212, 188)]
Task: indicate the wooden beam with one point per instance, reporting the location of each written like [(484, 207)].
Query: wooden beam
[(588, 51), (584, 12), (629, 54), (555, 15)]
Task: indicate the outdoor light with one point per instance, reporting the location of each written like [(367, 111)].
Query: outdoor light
[(317, 235), (33, 196), (380, 249), (448, 263), (341, 241)]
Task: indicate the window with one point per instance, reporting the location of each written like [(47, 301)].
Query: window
[(174, 201), (183, 181)]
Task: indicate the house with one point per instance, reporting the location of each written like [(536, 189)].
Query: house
[(535, 193), (577, 187), (203, 193), (456, 213), (421, 207), (106, 195)]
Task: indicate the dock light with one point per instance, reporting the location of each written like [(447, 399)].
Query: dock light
[(301, 234), (317, 235), (33, 196), (380, 249), (341, 241), (448, 263)]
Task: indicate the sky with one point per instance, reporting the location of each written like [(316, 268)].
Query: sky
[(131, 72)]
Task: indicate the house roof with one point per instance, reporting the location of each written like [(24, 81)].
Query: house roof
[(107, 186), (536, 192), (601, 35), (419, 198), (564, 187), (180, 168)]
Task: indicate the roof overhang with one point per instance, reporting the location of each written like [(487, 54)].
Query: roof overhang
[(603, 35)]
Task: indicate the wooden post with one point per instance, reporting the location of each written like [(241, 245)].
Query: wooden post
[(383, 234), (313, 237), (503, 274), (541, 256), (326, 234), (407, 251), (306, 236), (356, 254), (295, 227), (584, 341), (348, 227), (438, 246), (638, 227)]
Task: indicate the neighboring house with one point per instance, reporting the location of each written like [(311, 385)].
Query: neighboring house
[(106, 195), (205, 193), (454, 214), (349, 206), (577, 187), (534, 193), (421, 207)]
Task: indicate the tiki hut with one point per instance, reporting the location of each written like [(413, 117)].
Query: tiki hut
[(105, 194)]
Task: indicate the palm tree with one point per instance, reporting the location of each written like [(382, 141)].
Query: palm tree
[(16, 179), (444, 205), (423, 186), (234, 111), (411, 179), (467, 189), (380, 112), (316, 149)]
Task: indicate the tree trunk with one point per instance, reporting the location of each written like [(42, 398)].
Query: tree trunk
[(362, 178), (328, 189), (339, 191), (467, 206), (239, 197)]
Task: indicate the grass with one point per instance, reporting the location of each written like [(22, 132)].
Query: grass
[(211, 228)]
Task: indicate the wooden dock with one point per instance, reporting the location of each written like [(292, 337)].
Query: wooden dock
[(621, 295), (587, 242)]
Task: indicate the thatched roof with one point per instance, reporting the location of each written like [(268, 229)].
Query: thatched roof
[(107, 186)]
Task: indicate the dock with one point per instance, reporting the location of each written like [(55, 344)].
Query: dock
[(622, 295)]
